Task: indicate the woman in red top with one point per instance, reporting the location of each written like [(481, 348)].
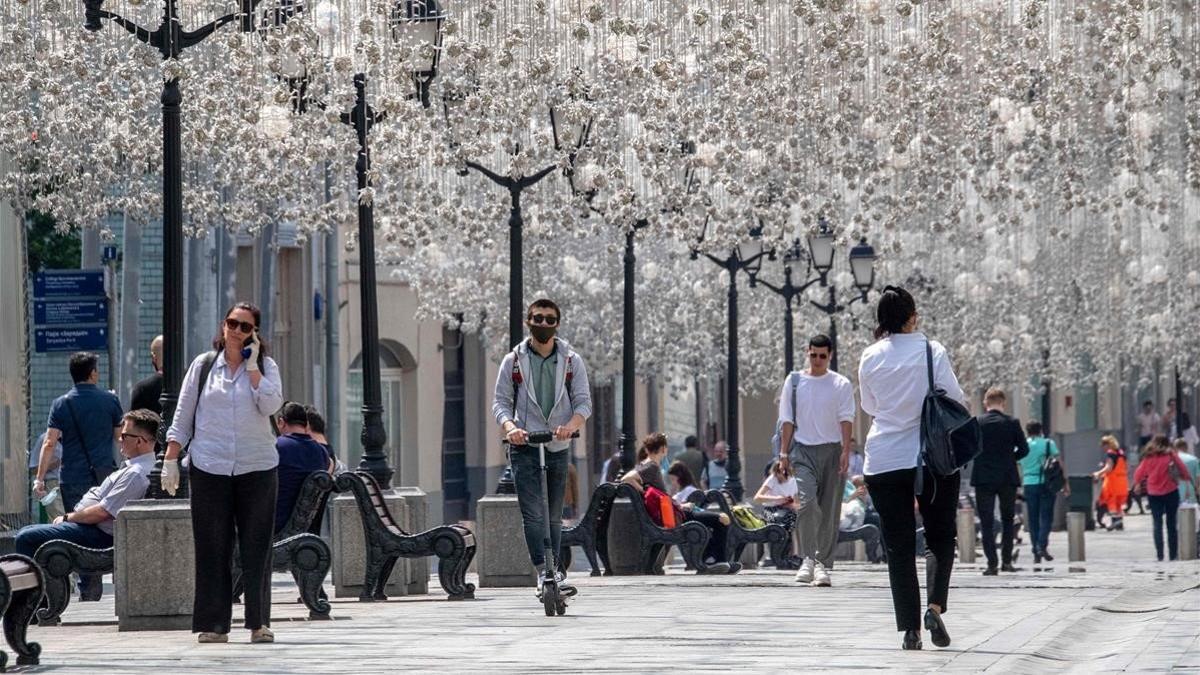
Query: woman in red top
[(1157, 475)]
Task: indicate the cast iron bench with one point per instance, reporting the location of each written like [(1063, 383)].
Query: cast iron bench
[(296, 550), (21, 584), (654, 540), (591, 532), (773, 535), (307, 556), (386, 542)]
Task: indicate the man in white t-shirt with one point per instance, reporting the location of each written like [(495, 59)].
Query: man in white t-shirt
[(816, 411), (1149, 423)]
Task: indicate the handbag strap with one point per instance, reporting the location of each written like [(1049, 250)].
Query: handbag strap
[(206, 367), (79, 432), (929, 363)]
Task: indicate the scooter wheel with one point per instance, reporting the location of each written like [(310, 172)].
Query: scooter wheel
[(550, 599), (561, 608)]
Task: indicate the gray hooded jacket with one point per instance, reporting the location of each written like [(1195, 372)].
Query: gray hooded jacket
[(517, 402)]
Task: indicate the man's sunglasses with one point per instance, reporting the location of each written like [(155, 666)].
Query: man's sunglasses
[(126, 437), (814, 355), (539, 319), (244, 326)]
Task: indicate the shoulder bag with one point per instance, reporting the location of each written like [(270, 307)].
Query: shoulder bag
[(1052, 473), (950, 436)]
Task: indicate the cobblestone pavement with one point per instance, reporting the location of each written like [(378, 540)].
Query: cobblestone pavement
[(1123, 611)]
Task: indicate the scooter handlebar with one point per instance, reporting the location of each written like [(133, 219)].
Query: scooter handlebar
[(544, 437)]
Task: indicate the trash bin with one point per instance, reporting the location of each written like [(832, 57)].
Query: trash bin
[(1082, 499)]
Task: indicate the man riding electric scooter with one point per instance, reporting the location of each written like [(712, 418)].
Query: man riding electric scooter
[(542, 387)]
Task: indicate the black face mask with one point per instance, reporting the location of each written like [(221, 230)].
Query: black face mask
[(543, 334)]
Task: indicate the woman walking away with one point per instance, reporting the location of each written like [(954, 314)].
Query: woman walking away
[(893, 383), (223, 418), (778, 493), (1114, 491), (1039, 501), (1158, 475)]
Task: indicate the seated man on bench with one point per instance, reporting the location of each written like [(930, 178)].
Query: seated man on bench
[(299, 456), (90, 522)]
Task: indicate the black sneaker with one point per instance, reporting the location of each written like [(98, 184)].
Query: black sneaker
[(1047, 557), (991, 571)]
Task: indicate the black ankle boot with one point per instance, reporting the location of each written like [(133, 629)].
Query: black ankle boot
[(912, 639)]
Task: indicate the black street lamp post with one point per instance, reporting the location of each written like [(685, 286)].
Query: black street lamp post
[(415, 22), (745, 257), (170, 40), (862, 266)]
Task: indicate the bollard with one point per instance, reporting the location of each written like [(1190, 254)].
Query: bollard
[(966, 536), (1076, 523), (1187, 534), (860, 550)]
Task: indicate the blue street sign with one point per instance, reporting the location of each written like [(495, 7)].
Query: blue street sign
[(76, 339), (69, 312), (68, 284), (110, 253)]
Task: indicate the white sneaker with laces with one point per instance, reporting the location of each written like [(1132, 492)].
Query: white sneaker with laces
[(820, 576), (805, 575)]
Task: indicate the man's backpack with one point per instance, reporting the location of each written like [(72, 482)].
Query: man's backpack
[(950, 435), (777, 439)]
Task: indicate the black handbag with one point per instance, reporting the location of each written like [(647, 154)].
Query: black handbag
[(950, 435), (1053, 478)]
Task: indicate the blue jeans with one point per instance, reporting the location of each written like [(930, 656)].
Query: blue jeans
[(1040, 504), (528, 478), (30, 538)]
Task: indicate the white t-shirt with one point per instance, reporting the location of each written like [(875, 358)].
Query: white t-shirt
[(822, 404), (1149, 423), (683, 494), (893, 382), (787, 488)]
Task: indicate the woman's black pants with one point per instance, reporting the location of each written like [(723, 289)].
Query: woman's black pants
[(893, 494), (224, 507), (716, 543)]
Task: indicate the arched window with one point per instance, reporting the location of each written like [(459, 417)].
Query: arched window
[(394, 362)]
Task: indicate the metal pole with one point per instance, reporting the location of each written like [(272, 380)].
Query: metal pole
[(374, 436), (1076, 524), (833, 336), (789, 355), (173, 337), (1178, 405), (733, 467), (516, 279), (333, 372), (628, 383), (966, 536)]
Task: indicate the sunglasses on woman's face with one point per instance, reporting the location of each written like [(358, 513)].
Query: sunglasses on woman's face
[(243, 326), (539, 319)]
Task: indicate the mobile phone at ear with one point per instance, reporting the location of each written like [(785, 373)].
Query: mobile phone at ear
[(246, 347)]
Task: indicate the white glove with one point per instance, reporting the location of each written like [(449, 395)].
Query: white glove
[(170, 476), (255, 347)]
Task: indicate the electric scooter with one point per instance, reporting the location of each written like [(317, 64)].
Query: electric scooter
[(553, 600)]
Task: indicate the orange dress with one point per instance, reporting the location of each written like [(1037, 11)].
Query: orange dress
[(1115, 489)]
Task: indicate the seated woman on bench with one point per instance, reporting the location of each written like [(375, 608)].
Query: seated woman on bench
[(648, 473)]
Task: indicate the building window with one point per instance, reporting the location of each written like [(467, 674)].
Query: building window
[(394, 361)]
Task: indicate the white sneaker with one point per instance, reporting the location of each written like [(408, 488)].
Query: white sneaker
[(805, 575), (820, 576)]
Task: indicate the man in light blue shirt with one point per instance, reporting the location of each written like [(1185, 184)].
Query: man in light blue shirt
[(90, 521)]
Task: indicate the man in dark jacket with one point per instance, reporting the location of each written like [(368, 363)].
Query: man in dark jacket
[(147, 392), (994, 475)]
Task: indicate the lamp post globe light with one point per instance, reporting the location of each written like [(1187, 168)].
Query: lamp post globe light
[(746, 257)]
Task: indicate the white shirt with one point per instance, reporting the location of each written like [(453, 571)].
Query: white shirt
[(1148, 423), (232, 433), (122, 486), (893, 382), (787, 488), (683, 494), (822, 404)]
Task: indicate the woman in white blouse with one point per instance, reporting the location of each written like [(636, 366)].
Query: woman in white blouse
[(224, 422), (893, 382)]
